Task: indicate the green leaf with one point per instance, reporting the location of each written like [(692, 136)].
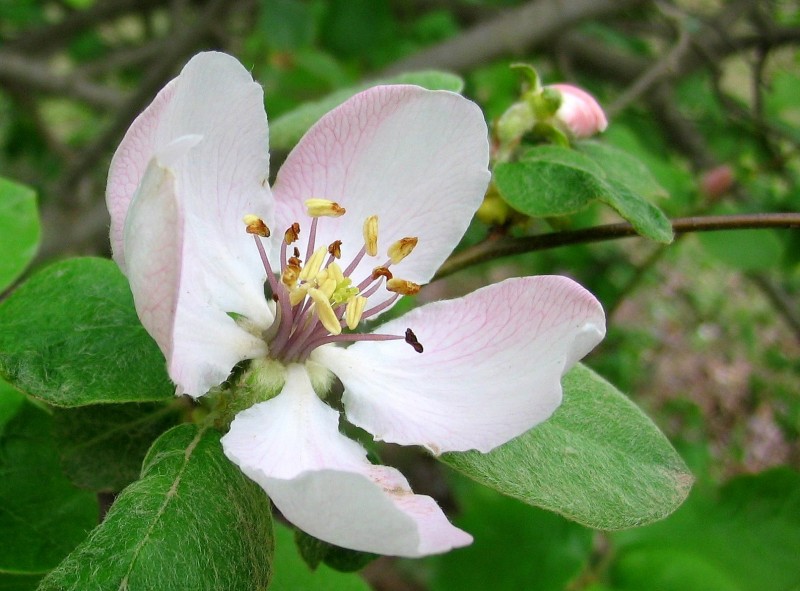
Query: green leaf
[(622, 167), (598, 461), (193, 521), (516, 546), (102, 446), (286, 130), (744, 537), (70, 336), (293, 574), (20, 231), (555, 181), (40, 510)]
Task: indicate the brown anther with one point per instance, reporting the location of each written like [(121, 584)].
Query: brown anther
[(381, 272), (403, 286), (411, 339), (296, 252), (291, 273), (292, 233), (335, 249), (255, 225)]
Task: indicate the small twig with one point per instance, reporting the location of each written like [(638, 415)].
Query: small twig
[(511, 32), (36, 76), (502, 247)]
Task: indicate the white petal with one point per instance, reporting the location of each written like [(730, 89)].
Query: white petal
[(167, 308), (323, 483), (217, 176), (490, 370), (417, 159)]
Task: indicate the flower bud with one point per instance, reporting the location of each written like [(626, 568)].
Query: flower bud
[(580, 113), (717, 181)]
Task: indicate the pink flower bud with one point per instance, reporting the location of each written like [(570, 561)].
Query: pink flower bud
[(579, 112), (717, 181)]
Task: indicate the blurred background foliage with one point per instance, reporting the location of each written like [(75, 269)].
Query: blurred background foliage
[(704, 333)]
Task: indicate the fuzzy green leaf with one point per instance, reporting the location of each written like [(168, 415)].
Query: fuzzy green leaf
[(20, 230), (286, 130), (624, 168), (102, 446), (599, 460), (555, 181), (40, 510), (70, 336), (193, 521)]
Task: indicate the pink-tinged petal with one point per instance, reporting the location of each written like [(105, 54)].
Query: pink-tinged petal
[(418, 159), (323, 483), (579, 111), (200, 341), (217, 176), (491, 367)]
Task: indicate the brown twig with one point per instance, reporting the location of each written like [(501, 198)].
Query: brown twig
[(502, 247), (511, 32)]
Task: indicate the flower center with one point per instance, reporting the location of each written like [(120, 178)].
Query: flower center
[(317, 299)]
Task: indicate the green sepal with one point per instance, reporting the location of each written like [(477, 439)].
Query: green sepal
[(316, 552)]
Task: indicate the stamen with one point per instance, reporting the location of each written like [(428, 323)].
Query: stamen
[(292, 234), (381, 272), (403, 286), (313, 264), (370, 231), (354, 311), (255, 225), (335, 249), (411, 339), (291, 273), (325, 312), (402, 248), (324, 208)]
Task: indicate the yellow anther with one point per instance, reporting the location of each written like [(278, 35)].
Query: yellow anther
[(324, 311), (292, 233), (371, 235), (335, 249), (255, 225), (328, 287), (335, 271), (402, 248), (403, 286), (354, 311), (311, 270), (298, 294), (324, 208)]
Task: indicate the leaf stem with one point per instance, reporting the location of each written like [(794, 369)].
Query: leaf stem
[(507, 246)]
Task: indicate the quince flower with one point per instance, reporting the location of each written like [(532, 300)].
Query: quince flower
[(579, 112), (371, 201)]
